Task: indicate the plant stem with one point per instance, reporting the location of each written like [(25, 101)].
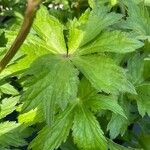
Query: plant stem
[(32, 7)]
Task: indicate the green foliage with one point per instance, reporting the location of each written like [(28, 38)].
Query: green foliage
[(87, 133), (79, 83)]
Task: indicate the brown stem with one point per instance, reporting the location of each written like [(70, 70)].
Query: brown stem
[(31, 10)]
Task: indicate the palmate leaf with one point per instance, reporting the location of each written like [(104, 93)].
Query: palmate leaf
[(143, 98), (83, 31), (54, 81), (50, 30), (87, 133), (114, 41), (103, 73), (50, 138)]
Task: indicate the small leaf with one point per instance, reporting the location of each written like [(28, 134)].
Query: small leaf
[(117, 125), (8, 89), (7, 106)]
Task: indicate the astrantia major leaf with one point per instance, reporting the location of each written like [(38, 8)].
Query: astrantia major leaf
[(54, 82)]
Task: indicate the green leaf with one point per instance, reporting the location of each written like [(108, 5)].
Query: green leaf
[(68, 145), (139, 19), (11, 134), (143, 99), (103, 73), (135, 68), (50, 30), (32, 117), (54, 81), (147, 2), (147, 68), (7, 106), (85, 90), (83, 32), (50, 138), (87, 133), (7, 127), (117, 125), (102, 102), (97, 102), (28, 52), (114, 41), (144, 140), (8, 89)]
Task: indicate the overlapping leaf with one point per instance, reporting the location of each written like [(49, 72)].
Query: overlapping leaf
[(54, 82), (103, 73), (102, 102), (97, 102), (32, 117), (50, 138), (7, 106), (11, 134), (8, 89), (114, 41), (136, 68), (139, 19), (117, 125), (50, 30), (28, 52), (81, 32)]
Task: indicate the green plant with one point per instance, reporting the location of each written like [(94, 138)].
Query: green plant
[(80, 85)]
